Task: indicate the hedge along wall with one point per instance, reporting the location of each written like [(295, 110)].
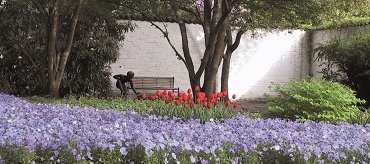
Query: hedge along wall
[(323, 36), (278, 56)]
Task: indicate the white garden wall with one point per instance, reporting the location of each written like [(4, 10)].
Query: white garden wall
[(268, 57), (273, 57)]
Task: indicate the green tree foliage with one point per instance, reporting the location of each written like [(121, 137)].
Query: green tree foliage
[(339, 12), (23, 59), (348, 61), (316, 100), (22, 62)]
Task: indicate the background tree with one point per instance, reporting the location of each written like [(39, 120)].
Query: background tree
[(24, 46), (220, 18), (96, 46), (22, 38), (59, 44)]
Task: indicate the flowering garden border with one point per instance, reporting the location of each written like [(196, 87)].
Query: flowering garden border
[(46, 132)]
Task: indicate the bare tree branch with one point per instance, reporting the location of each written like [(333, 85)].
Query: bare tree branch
[(224, 16), (184, 39), (237, 40), (164, 32), (207, 18)]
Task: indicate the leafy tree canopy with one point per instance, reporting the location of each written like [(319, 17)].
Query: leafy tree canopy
[(264, 14)]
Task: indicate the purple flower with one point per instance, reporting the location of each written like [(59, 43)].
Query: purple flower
[(123, 151), (78, 157)]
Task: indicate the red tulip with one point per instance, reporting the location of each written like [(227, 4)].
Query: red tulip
[(144, 96), (210, 105), (186, 105), (224, 93), (185, 97), (227, 103), (168, 100), (165, 92), (170, 93), (198, 100), (177, 102), (219, 94), (179, 94), (189, 90), (192, 105), (158, 92), (190, 97), (197, 88), (205, 104), (217, 103), (201, 95), (235, 105), (234, 96), (152, 97)]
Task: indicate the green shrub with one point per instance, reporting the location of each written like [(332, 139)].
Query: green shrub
[(348, 61), (311, 99)]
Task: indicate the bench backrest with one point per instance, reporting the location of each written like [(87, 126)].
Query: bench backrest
[(153, 82)]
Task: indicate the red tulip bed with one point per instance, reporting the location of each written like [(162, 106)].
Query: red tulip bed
[(185, 105), (186, 99)]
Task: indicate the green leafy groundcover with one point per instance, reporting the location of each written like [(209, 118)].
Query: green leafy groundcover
[(46, 133)]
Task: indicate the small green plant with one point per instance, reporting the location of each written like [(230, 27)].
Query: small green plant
[(316, 100), (362, 118)]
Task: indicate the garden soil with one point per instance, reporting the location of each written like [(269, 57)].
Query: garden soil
[(253, 105)]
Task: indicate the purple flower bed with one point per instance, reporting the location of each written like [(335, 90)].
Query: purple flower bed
[(54, 126)]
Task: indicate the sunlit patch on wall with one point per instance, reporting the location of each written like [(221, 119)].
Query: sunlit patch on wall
[(255, 58)]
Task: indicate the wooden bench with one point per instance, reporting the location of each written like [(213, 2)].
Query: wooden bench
[(154, 83)]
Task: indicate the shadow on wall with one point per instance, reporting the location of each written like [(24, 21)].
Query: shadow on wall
[(273, 57)]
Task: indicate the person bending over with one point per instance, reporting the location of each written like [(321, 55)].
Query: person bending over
[(121, 83)]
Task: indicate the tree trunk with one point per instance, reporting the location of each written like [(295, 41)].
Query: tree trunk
[(231, 47), (56, 60), (210, 76), (52, 41), (225, 72), (194, 77)]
